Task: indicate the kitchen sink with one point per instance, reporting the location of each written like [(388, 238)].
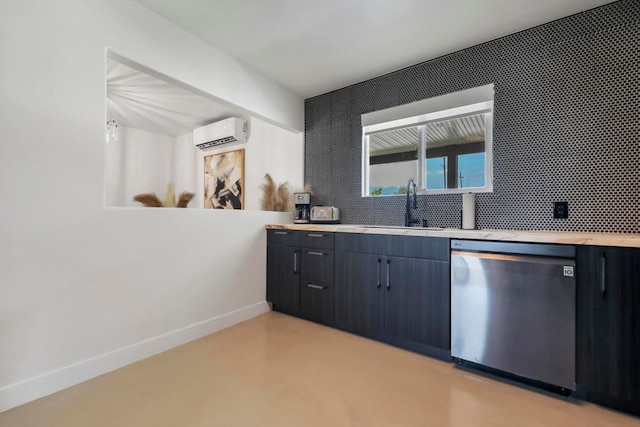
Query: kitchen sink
[(406, 228)]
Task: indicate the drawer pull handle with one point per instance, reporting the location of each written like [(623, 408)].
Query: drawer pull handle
[(378, 284), (315, 253), (281, 232), (295, 262), (309, 285), (388, 274), (315, 235)]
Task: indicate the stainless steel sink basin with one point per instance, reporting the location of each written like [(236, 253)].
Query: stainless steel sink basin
[(406, 228)]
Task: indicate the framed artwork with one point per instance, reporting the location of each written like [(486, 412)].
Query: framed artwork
[(224, 180)]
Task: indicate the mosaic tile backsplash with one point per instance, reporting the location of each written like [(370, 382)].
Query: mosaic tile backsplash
[(566, 128)]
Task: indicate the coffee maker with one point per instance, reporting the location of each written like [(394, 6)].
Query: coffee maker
[(303, 207)]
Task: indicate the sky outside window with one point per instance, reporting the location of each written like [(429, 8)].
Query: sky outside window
[(471, 170)]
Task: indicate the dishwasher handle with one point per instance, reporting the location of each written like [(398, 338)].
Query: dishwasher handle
[(547, 250)]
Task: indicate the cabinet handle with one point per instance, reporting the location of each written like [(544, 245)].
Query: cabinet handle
[(315, 253), (603, 274), (309, 285), (315, 235), (282, 232), (295, 261), (388, 274), (378, 284)]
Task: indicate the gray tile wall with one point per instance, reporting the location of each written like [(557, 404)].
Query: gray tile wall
[(566, 128)]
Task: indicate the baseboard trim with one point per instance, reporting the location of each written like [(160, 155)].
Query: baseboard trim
[(33, 388)]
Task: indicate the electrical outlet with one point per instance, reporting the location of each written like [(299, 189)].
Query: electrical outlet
[(560, 210)]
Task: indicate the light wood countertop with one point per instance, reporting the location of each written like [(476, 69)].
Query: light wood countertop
[(559, 237)]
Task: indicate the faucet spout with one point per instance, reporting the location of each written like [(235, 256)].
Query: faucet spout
[(408, 220)]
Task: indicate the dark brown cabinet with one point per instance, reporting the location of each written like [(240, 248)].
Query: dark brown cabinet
[(608, 326), (359, 293), (283, 270), (300, 274), (387, 291), (417, 303)]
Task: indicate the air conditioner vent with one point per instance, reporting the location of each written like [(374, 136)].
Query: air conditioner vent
[(228, 130)]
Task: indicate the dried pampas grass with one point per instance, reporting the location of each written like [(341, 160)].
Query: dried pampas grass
[(278, 198), (283, 202), (275, 198), (308, 189), (184, 199), (268, 201), (150, 200), (170, 198)]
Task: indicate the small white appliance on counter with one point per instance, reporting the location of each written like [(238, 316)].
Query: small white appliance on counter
[(325, 215)]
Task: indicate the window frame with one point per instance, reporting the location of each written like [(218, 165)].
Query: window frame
[(458, 104)]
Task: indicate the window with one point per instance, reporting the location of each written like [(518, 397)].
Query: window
[(444, 142)]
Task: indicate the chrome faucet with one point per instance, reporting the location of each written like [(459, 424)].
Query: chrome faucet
[(408, 221)]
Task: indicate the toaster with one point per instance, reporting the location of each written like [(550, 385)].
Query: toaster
[(325, 215)]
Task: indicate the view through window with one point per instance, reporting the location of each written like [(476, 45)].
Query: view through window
[(445, 150)]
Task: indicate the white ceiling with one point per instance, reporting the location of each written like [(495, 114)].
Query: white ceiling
[(316, 46), (139, 100)]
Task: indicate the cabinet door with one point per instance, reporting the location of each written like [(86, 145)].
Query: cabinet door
[(283, 278), (417, 301), (608, 324), (359, 293)]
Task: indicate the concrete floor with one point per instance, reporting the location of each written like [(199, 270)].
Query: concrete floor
[(276, 370)]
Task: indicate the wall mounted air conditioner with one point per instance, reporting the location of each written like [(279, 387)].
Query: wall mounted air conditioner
[(228, 130)]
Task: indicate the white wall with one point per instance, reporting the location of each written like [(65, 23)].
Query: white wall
[(84, 288), (138, 162), (184, 173), (275, 151), (269, 149), (145, 162), (387, 174)]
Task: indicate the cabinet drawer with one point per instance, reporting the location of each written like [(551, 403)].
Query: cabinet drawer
[(317, 301), (317, 239), (362, 243), (317, 264), (434, 248), (283, 237)]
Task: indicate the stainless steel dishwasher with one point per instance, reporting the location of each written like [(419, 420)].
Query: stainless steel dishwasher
[(513, 309)]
